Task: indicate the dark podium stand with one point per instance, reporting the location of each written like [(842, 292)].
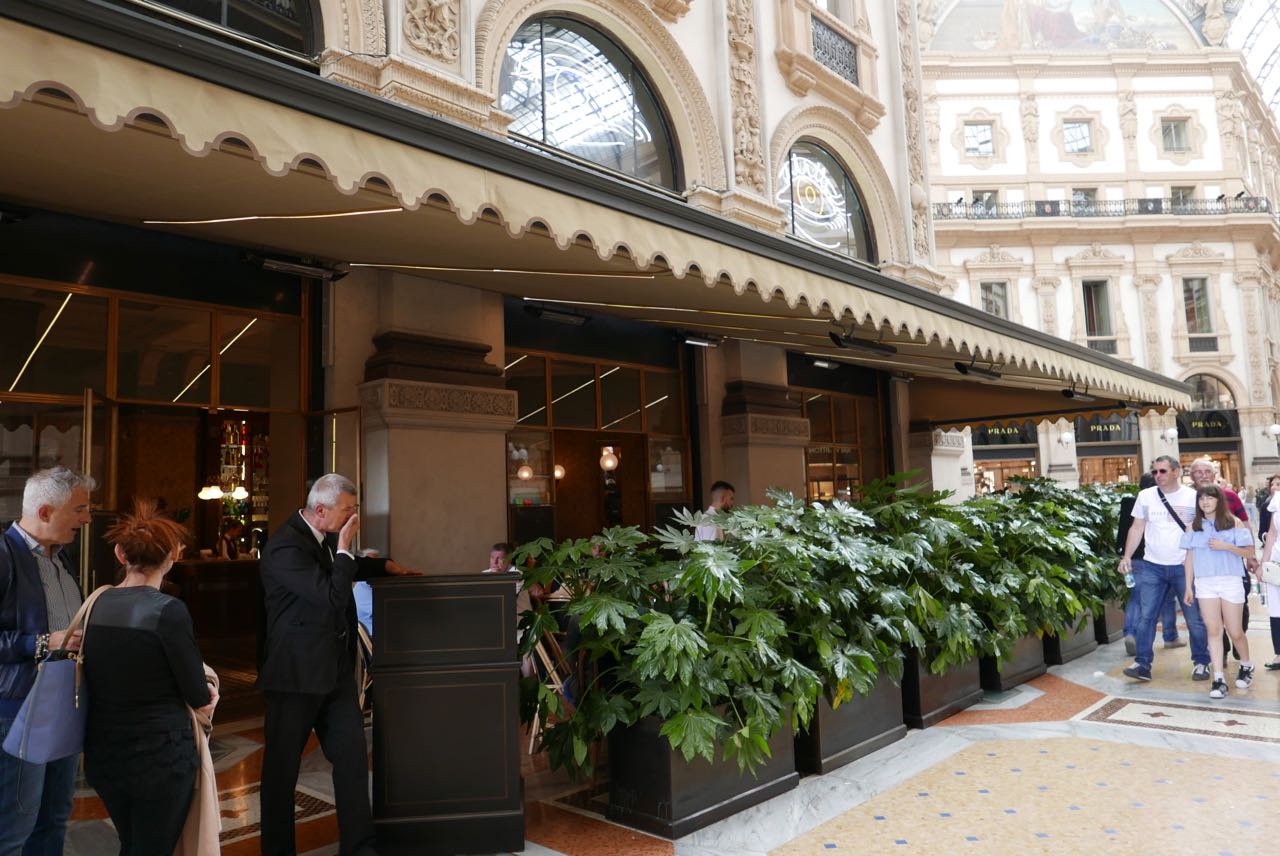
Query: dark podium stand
[(446, 730)]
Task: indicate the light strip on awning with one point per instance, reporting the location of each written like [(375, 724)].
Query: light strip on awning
[(250, 217)]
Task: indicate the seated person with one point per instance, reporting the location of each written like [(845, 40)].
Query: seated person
[(229, 543), (500, 559)]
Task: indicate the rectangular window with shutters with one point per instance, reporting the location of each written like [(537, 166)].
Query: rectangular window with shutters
[(1195, 302), (1097, 316)]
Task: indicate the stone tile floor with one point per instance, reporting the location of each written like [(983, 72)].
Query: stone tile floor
[(1078, 760)]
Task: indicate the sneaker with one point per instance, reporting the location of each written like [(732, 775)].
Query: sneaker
[(1219, 689), (1244, 677), (1130, 646), (1138, 673), (1200, 672), (1176, 643)]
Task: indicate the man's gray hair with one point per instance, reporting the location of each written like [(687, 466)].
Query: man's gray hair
[(1203, 462), (1174, 463), (326, 489), (53, 487)]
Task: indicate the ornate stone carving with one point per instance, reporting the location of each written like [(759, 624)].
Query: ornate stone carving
[(921, 210), (431, 26), (1128, 117), (1148, 287), (765, 429), (1231, 123), (995, 254), (371, 25), (748, 154), (1255, 339), (446, 400), (670, 10), (1047, 289), (1195, 250), (932, 125), (1215, 25), (1095, 252)]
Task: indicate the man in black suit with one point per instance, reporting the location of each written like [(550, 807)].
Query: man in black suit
[(307, 672)]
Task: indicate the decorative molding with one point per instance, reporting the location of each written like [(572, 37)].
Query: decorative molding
[(1255, 341), (995, 264), (1196, 134), (431, 26), (846, 140), (638, 29), (1196, 252), (416, 86), (995, 255), (399, 403), (1128, 118), (1099, 136), (1098, 262), (803, 72), (1231, 122), (999, 138), (1148, 286), (670, 10), (1029, 113), (367, 18), (933, 126), (1047, 291), (1095, 254), (748, 156), (764, 429), (909, 60)]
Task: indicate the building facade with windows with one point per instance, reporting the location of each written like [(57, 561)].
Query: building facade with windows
[(1108, 173)]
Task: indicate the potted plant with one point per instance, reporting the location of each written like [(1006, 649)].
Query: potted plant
[(688, 672)]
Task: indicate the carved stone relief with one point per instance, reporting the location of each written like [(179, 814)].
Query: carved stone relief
[(431, 26), (1047, 289), (748, 154), (921, 213), (1250, 288), (670, 10), (1148, 288)]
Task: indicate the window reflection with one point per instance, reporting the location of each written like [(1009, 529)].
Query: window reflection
[(570, 87), (55, 342), (821, 203)]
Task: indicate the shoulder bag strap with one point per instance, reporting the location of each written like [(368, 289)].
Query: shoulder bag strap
[(81, 619), (1172, 513)]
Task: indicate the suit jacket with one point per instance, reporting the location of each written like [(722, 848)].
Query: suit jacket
[(23, 616), (310, 633)]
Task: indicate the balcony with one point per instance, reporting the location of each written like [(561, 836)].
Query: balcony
[(1106, 208)]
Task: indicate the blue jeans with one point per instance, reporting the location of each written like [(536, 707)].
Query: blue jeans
[(1154, 582), (35, 802), (1168, 616)]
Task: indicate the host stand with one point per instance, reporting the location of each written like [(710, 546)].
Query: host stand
[(446, 730)]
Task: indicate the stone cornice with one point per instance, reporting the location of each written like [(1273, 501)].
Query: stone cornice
[(759, 429), (402, 403)]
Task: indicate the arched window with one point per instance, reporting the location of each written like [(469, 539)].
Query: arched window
[(1209, 393), (288, 24), (571, 88), (822, 203)]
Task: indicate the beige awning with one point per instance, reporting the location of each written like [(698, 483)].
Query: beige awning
[(363, 170)]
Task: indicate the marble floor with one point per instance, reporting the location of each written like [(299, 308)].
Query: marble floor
[(1080, 759)]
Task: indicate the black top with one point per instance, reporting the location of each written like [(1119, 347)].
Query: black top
[(142, 668), (1264, 516), (1126, 521)]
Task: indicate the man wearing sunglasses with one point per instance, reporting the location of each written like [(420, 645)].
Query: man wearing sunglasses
[(1160, 515)]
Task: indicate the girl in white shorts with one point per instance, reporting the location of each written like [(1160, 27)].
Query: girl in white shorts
[(1215, 543)]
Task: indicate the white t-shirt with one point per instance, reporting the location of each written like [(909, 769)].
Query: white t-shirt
[(709, 532), (1162, 534)]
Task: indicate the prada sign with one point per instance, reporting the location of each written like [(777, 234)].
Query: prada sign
[(1206, 424)]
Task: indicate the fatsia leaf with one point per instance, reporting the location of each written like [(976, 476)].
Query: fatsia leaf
[(693, 733)]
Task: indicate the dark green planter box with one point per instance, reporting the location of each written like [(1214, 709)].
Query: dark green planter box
[(927, 699), (1108, 625), (655, 790), (856, 728), (1025, 662), (1059, 650)]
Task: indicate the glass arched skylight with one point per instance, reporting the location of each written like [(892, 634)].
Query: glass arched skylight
[(571, 88), (822, 204)]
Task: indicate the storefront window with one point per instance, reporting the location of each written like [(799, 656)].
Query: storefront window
[(1109, 469), (1209, 393), (258, 361), (620, 408), (530, 471), (164, 353), (55, 341), (571, 88), (527, 375), (666, 468), (822, 204), (282, 23), (573, 394), (834, 457), (662, 405)]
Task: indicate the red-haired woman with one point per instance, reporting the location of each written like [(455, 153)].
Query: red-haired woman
[(143, 669)]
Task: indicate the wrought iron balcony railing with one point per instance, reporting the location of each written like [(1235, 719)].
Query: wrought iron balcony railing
[(1100, 208)]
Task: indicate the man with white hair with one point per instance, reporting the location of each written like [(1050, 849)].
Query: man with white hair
[(307, 671), (38, 598)]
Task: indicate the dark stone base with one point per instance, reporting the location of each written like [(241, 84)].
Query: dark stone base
[(1059, 650), (445, 836), (1025, 662), (1108, 625), (927, 699), (858, 727), (653, 789)]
